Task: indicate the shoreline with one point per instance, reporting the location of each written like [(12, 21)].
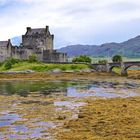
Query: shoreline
[(55, 76), (65, 76)]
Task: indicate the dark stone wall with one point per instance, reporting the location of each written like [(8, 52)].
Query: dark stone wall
[(53, 56), (5, 51), (43, 41)]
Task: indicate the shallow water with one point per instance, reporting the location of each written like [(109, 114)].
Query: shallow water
[(69, 88), (99, 92), (30, 109)]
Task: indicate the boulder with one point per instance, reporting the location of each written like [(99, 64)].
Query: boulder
[(56, 71)]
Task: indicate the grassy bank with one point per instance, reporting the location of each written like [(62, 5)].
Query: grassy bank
[(39, 66)]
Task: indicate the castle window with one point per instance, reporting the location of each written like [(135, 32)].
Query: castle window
[(42, 42)]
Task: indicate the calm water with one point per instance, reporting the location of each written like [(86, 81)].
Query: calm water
[(20, 99), (69, 88)]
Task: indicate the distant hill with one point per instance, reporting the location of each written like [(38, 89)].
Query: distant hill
[(130, 48)]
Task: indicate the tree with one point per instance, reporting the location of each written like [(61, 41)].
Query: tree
[(32, 58), (117, 58), (8, 65), (82, 58), (9, 62), (103, 61)]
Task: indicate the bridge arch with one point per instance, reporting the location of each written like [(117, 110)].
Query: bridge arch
[(99, 67), (94, 67), (124, 71), (111, 68), (127, 67)]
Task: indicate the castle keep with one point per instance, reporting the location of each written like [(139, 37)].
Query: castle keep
[(37, 41)]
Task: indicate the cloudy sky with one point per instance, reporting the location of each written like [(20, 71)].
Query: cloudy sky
[(72, 21)]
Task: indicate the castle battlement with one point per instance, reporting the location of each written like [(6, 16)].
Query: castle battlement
[(38, 41)]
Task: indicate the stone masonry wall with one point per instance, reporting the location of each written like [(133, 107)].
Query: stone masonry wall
[(53, 56), (5, 52), (37, 41)]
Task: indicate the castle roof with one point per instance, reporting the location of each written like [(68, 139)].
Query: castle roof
[(3, 43), (35, 31)]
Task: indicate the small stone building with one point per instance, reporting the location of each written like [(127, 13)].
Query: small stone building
[(5, 50), (38, 41)]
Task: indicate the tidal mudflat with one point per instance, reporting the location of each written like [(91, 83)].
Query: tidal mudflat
[(99, 107)]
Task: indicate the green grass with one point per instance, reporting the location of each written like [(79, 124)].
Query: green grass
[(117, 70), (43, 67)]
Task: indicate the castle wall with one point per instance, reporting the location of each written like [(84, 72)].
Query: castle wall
[(49, 43), (21, 53), (9, 50), (39, 54), (33, 41), (5, 52), (53, 56), (36, 41)]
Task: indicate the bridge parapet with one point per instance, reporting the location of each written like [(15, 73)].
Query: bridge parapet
[(129, 64), (109, 66), (100, 67)]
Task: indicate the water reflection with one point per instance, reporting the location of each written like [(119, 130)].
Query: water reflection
[(23, 88), (68, 88)]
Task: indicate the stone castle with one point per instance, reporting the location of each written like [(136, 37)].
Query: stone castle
[(38, 41)]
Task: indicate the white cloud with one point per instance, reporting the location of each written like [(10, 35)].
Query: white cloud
[(76, 21)]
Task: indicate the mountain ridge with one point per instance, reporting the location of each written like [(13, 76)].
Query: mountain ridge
[(129, 48)]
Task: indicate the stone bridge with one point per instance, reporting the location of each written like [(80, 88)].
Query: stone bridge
[(109, 66)]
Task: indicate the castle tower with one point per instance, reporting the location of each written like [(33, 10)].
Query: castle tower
[(38, 38)]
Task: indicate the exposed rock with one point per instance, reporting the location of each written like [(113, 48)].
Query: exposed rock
[(86, 70), (56, 71), (69, 71), (18, 72), (60, 117)]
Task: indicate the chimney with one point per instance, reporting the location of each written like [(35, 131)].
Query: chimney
[(52, 36), (28, 28), (47, 28)]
